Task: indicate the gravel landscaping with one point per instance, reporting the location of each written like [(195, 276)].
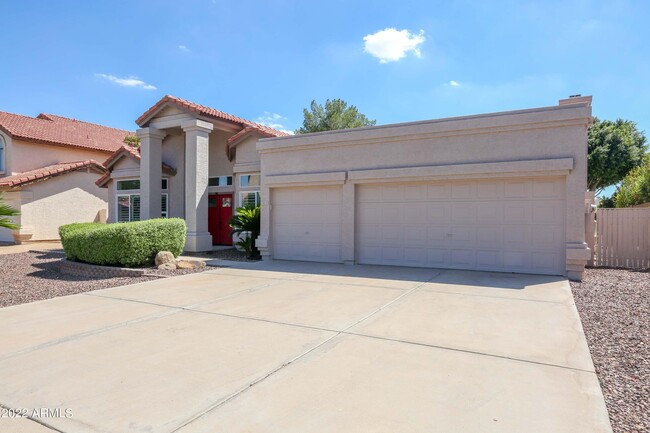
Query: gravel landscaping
[(614, 306), (30, 276)]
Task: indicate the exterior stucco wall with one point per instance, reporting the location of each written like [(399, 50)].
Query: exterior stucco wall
[(219, 163), (24, 156), (538, 134), (65, 199)]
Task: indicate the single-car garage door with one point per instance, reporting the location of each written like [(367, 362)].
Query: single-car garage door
[(512, 225), (306, 223)]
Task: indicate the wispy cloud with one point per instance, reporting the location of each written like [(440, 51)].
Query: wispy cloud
[(453, 83), (273, 120), (184, 48), (391, 45), (130, 81)]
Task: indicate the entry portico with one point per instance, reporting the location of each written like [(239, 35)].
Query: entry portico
[(191, 159)]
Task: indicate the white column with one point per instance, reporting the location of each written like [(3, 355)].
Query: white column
[(347, 223), (197, 136), (150, 172), (262, 241)]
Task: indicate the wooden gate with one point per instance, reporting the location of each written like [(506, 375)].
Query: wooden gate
[(622, 238)]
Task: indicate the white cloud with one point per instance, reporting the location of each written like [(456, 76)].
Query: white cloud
[(129, 81), (184, 48), (273, 120), (391, 45), (453, 83)]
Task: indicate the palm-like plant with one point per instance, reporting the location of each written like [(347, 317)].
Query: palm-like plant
[(247, 220), (6, 212)]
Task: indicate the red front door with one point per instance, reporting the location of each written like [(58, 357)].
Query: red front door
[(219, 213)]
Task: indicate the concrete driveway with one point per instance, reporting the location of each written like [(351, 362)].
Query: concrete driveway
[(294, 347)]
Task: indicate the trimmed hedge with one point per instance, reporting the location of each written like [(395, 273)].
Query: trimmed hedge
[(123, 244)]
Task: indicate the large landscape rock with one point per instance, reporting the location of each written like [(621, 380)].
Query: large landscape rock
[(165, 258), (190, 264)]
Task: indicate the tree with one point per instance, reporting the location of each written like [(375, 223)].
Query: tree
[(635, 187), (615, 148), (7, 211), (335, 115), (132, 140)]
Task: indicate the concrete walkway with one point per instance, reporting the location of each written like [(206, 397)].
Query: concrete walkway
[(28, 246), (294, 347)]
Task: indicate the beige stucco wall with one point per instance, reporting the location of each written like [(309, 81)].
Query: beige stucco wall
[(538, 134), (24, 156), (65, 199)]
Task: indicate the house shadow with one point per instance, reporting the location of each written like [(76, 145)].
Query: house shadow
[(330, 271)]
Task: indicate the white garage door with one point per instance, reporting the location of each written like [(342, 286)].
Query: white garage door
[(306, 223), (501, 225)]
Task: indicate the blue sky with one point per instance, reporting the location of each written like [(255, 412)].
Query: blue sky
[(108, 61)]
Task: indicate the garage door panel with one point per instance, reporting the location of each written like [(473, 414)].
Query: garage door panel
[(306, 223), (514, 225), (438, 191)]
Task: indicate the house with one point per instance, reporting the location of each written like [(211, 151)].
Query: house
[(48, 168), (498, 192), (494, 192), (194, 162)]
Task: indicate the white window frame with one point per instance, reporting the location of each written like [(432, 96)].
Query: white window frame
[(258, 198), (232, 180), (241, 178), (3, 154), (164, 211)]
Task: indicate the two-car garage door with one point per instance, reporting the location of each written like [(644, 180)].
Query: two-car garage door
[(512, 225)]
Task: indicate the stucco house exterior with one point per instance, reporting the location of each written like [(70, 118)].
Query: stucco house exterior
[(194, 162), (48, 168), (496, 192)]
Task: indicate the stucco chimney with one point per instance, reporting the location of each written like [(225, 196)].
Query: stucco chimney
[(576, 99)]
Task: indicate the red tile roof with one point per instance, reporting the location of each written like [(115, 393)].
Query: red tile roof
[(130, 152), (208, 112), (44, 173), (62, 131)]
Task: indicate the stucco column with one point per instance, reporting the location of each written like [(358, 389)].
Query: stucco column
[(150, 172), (347, 222), (262, 241), (197, 136)]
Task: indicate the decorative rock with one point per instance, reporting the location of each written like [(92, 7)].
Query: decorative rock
[(165, 257), (190, 264), (167, 267)]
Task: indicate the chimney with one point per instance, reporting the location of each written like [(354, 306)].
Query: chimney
[(576, 99)]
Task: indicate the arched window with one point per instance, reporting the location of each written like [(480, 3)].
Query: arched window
[(2, 154)]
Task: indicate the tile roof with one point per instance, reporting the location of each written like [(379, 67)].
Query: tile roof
[(208, 112), (44, 173), (131, 152), (62, 131)]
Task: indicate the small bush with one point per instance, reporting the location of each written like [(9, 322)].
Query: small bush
[(123, 244)]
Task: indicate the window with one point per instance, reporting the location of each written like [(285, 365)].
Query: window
[(134, 184), (163, 209), (246, 180), (249, 198), (2, 154), (128, 207), (126, 185), (220, 181)]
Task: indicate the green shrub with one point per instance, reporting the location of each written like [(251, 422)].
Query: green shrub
[(123, 244)]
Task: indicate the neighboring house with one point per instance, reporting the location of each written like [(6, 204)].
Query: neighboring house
[(195, 163), (48, 168)]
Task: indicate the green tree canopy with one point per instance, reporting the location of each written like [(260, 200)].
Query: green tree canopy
[(635, 187), (335, 115), (615, 148)]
